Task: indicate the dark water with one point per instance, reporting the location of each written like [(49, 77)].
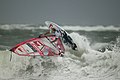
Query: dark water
[(12, 37), (101, 36), (9, 38)]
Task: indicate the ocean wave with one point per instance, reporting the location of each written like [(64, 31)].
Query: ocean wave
[(73, 28), (19, 26), (92, 28), (91, 65)]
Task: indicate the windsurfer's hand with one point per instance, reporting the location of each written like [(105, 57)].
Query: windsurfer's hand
[(41, 35)]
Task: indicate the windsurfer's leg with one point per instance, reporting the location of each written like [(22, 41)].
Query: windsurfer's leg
[(73, 45), (68, 40)]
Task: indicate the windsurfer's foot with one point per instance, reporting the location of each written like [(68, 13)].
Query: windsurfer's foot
[(74, 46)]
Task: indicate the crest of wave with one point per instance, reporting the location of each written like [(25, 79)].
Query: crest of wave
[(104, 65), (81, 42), (98, 65)]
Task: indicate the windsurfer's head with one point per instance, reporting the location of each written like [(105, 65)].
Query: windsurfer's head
[(52, 30)]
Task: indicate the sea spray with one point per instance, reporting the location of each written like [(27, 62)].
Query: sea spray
[(88, 65), (81, 42)]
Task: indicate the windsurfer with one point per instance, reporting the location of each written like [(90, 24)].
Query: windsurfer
[(60, 34)]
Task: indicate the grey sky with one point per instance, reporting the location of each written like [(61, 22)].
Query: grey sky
[(65, 12)]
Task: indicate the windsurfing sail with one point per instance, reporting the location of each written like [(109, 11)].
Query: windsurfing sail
[(39, 46)]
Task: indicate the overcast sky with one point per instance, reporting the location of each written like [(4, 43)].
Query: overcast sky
[(65, 12)]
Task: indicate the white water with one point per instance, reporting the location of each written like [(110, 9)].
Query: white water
[(84, 64), (73, 28)]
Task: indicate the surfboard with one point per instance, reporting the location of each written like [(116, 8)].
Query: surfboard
[(64, 34), (39, 47), (56, 26)]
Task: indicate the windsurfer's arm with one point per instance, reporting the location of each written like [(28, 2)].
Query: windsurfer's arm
[(45, 34), (54, 40)]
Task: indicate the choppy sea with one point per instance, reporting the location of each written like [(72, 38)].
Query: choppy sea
[(97, 57)]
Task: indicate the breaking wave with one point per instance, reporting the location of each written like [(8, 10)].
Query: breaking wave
[(73, 28), (84, 64)]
